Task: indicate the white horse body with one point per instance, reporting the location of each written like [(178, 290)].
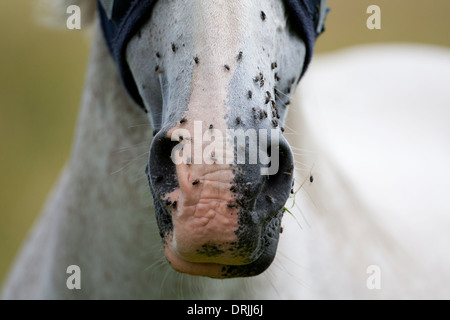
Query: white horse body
[(376, 118), (371, 123)]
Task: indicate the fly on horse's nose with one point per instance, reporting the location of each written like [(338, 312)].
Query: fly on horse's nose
[(263, 16)]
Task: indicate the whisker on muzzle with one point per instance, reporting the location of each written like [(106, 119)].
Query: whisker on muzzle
[(130, 162)]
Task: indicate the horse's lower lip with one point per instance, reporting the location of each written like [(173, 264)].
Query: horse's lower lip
[(218, 267), (222, 271), (212, 270), (217, 270)]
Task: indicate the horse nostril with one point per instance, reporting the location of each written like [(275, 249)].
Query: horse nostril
[(276, 187), (162, 171)]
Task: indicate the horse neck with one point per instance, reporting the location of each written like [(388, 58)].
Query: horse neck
[(104, 207)]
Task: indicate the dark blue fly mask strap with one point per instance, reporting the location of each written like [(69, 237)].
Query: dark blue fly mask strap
[(121, 19)]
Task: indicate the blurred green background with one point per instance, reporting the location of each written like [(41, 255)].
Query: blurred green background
[(41, 79)]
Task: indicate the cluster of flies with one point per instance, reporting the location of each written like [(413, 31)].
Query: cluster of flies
[(258, 115)]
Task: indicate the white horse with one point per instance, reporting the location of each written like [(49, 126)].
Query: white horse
[(370, 216)]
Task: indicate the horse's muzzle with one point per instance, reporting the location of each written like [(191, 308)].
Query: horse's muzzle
[(220, 218)]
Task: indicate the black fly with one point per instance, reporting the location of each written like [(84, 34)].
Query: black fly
[(263, 16)]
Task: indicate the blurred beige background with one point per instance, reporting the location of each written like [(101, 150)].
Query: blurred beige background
[(41, 79)]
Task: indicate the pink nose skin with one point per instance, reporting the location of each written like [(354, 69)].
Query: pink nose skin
[(205, 219)]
